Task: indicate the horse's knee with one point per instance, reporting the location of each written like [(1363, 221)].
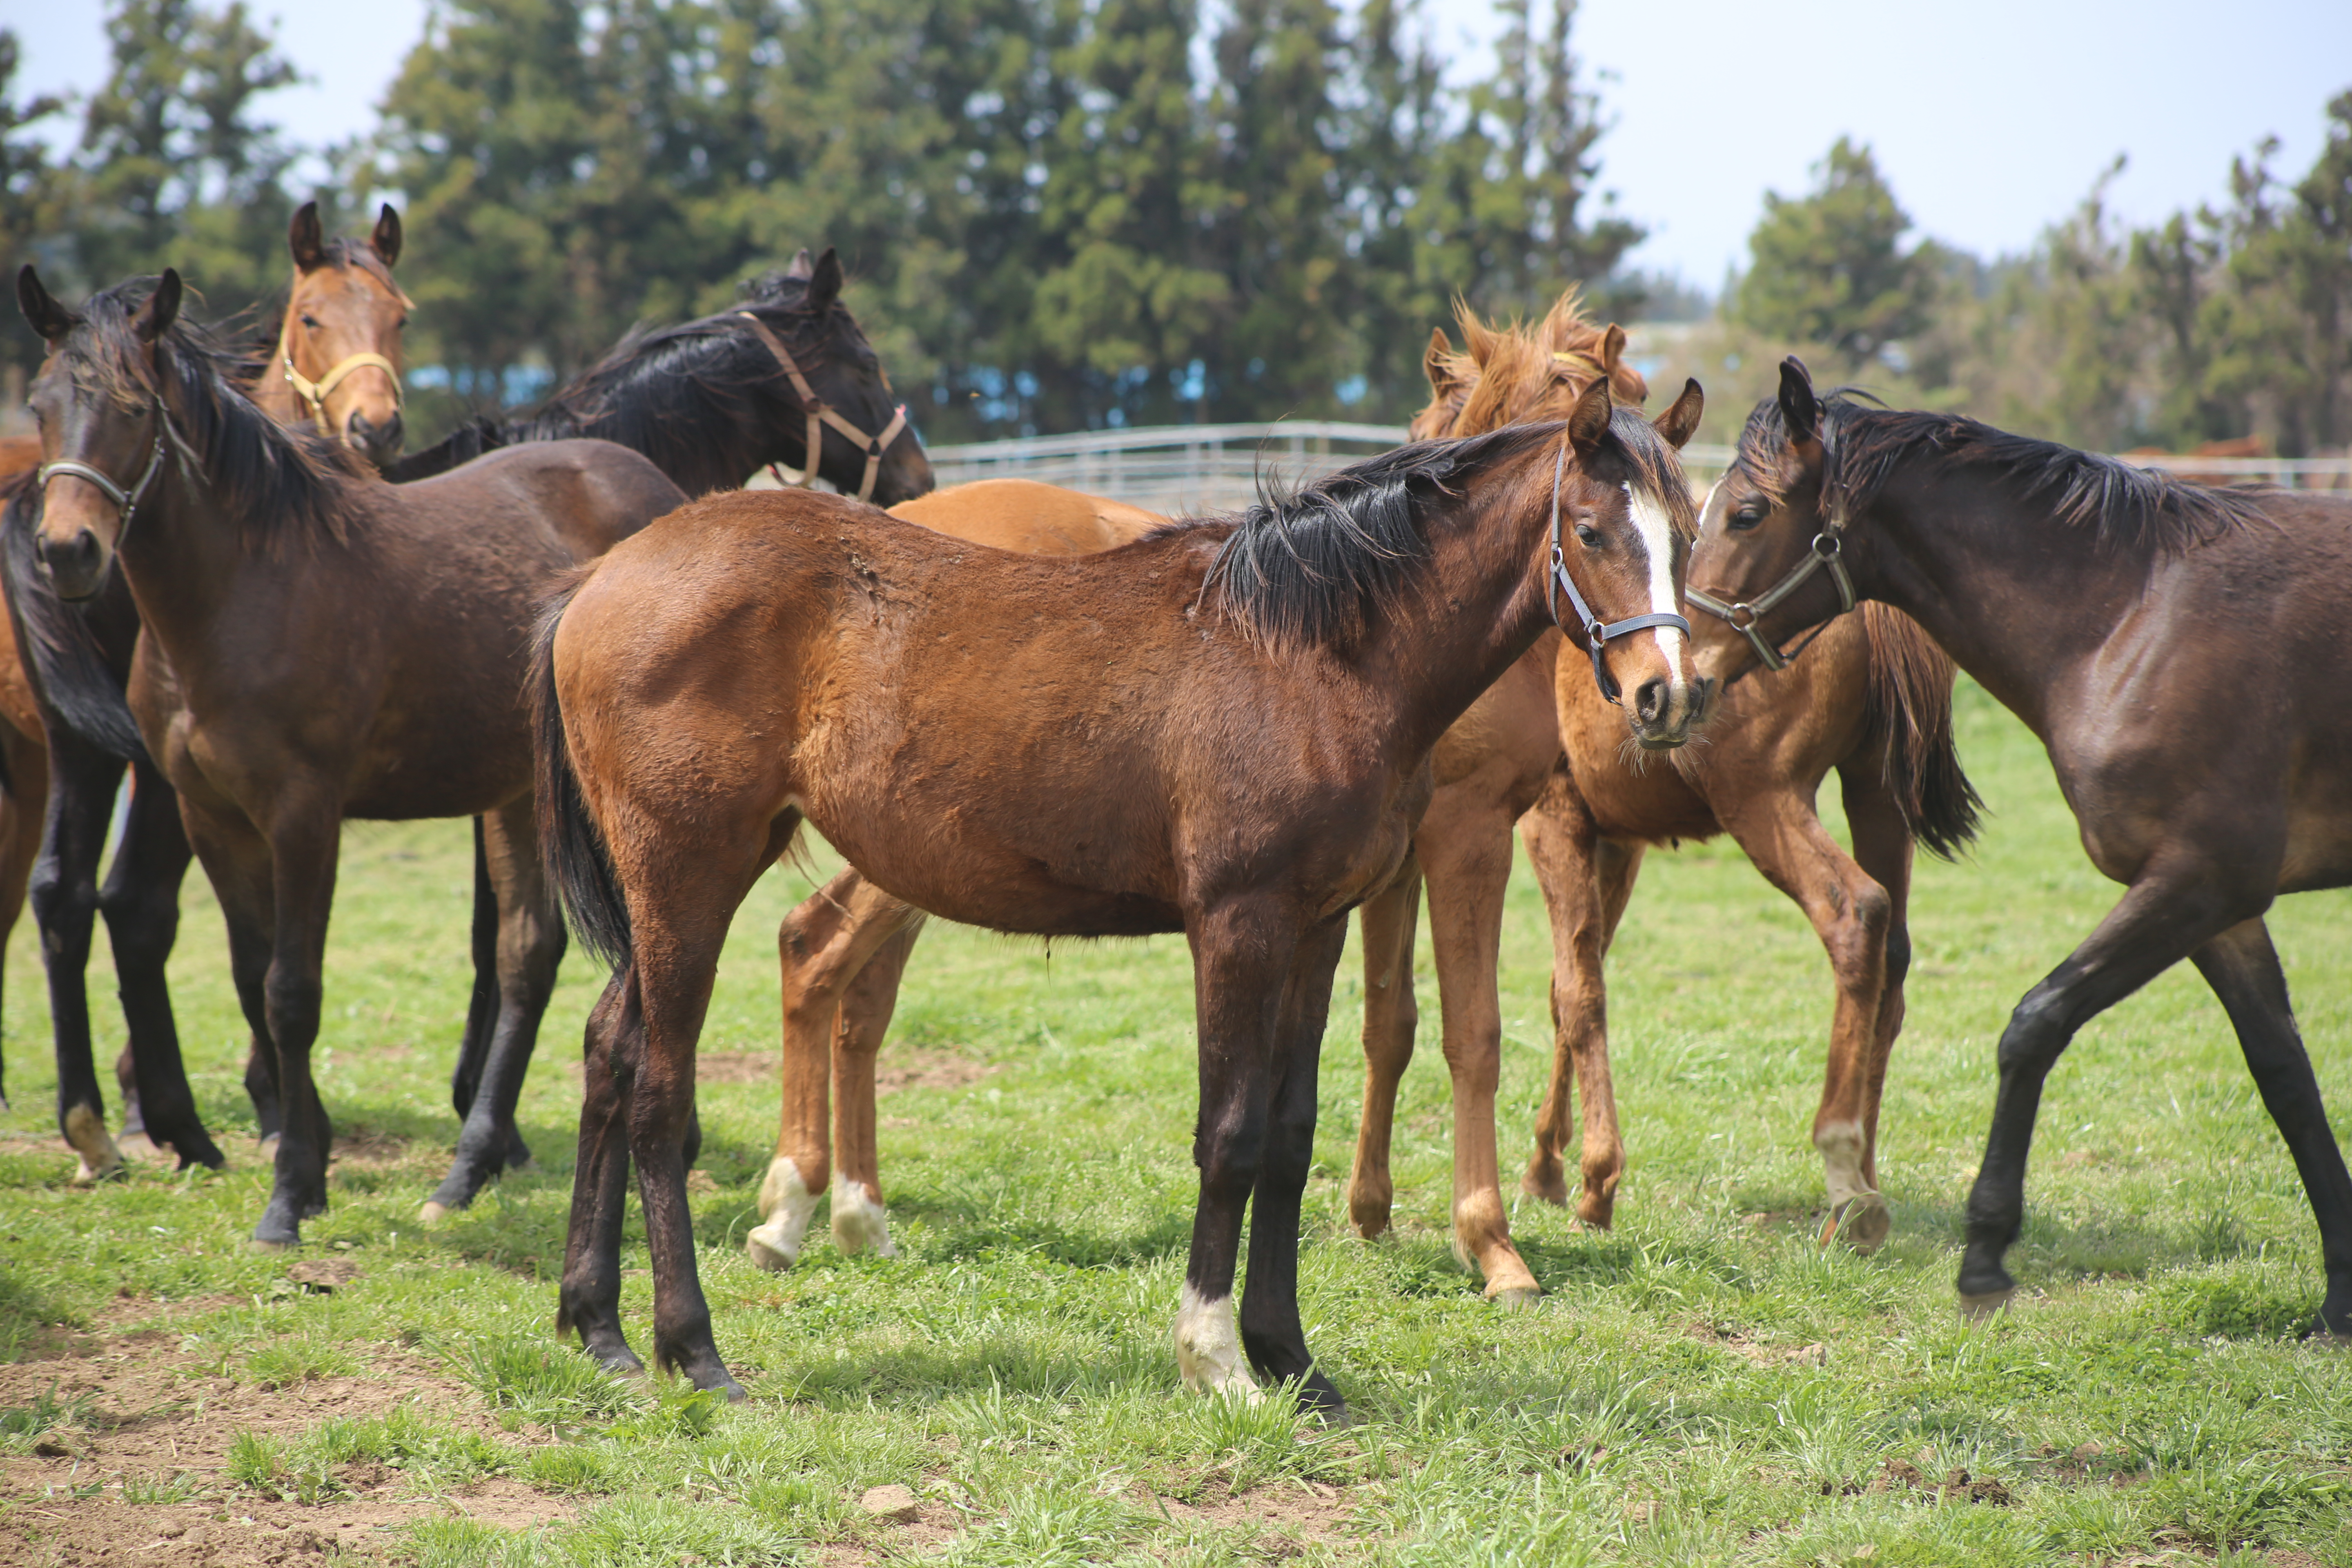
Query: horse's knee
[(143, 922), (2035, 1035), (1898, 952)]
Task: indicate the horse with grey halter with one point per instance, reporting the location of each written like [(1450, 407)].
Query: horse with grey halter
[(2182, 653)]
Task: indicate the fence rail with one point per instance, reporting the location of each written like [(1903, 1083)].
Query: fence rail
[(1189, 469)]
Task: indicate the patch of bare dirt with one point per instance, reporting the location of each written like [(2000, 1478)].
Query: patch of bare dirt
[(915, 1068), (1283, 1521), (148, 1414), (1759, 1354), (370, 1147), (730, 1067)]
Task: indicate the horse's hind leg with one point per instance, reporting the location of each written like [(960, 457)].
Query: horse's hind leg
[(1883, 848), (588, 1302), (1390, 1015), (858, 1220), (529, 948), (1586, 881), (83, 784), (2243, 971), (822, 946), (1468, 859), (1850, 912), (141, 902), (2178, 905), (482, 1006)]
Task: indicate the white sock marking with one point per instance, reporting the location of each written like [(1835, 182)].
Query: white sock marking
[(88, 1134), (787, 1203), (1209, 1348), (858, 1220)]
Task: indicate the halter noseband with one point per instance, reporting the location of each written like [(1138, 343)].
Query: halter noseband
[(1597, 634), (1746, 617), (820, 415), (126, 502), (316, 393)]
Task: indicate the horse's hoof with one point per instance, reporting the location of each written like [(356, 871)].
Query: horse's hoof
[(433, 1213), (1515, 1298), (769, 1253), (1551, 1186), (1862, 1222), (1984, 1305)]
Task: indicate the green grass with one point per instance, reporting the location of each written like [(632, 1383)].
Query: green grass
[(1665, 1403)]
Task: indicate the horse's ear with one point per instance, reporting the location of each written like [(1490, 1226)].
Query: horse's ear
[(306, 239), (161, 309), (1801, 411), (1679, 423), (1587, 422), (824, 281), (49, 318), (1432, 361), (385, 240), (1612, 349), (802, 266)]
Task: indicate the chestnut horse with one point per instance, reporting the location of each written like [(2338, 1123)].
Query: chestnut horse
[(315, 644), (2181, 652), (24, 742), (1243, 761), (343, 312), (1873, 701)]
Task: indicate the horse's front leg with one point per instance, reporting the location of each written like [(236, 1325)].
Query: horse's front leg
[(2181, 902), (22, 808), (1241, 960), (1271, 1332), (141, 902), (1849, 912), (82, 782), (304, 846), (1391, 1016), (858, 1219), (529, 948)]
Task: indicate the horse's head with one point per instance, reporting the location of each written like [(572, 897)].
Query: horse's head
[(340, 349), (1768, 560), (801, 309), (1521, 376), (100, 403)]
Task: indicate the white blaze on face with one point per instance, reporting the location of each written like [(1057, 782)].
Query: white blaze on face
[(786, 1202), (1657, 531), (1209, 1348)]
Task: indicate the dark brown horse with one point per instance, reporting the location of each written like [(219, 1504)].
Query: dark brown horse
[(315, 645), (1223, 728), (344, 313), (2180, 651)]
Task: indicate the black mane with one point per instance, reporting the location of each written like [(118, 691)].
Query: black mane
[(2141, 510), (1310, 566), (680, 394), (271, 479)]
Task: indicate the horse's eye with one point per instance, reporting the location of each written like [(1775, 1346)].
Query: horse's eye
[(311, 323), (1588, 536), (1746, 518)]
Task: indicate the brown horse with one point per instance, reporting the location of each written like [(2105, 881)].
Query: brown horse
[(334, 366), (315, 645), (1223, 728), (1874, 702), (24, 740), (342, 310), (2181, 653)]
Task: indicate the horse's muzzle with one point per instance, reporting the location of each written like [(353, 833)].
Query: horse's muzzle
[(75, 565)]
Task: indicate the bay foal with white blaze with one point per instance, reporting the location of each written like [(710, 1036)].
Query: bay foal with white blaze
[(1223, 728)]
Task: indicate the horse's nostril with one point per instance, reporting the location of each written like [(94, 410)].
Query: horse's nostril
[(1650, 701)]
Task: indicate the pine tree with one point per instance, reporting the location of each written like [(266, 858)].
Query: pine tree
[(1830, 267)]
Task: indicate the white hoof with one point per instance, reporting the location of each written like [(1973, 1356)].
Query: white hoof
[(100, 1159), (788, 1205), (433, 1213), (1209, 1349), (859, 1221)]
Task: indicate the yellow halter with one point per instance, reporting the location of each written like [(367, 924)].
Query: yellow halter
[(316, 393)]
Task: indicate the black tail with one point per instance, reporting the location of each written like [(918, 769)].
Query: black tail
[(1910, 702), (70, 673), (570, 845)]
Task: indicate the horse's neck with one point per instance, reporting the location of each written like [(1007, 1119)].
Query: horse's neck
[(184, 561), (2018, 598), (1476, 608), (270, 392)]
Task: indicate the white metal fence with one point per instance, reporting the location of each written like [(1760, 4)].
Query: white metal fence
[(1192, 468)]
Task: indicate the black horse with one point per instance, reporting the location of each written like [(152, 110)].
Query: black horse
[(709, 402)]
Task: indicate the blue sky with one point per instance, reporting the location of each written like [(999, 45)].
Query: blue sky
[(1991, 119)]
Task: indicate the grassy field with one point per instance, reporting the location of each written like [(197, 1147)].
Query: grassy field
[(1700, 1385)]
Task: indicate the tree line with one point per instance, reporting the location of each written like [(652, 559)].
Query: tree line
[(1065, 214)]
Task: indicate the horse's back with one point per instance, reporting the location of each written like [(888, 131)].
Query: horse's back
[(1030, 517), (589, 494)]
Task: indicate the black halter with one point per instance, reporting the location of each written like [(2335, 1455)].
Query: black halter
[(1598, 633), (126, 502), (1746, 617)]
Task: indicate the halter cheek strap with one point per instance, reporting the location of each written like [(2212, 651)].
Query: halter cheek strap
[(316, 393), (126, 502), (1597, 634), (820, 415), (1828, 552)]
